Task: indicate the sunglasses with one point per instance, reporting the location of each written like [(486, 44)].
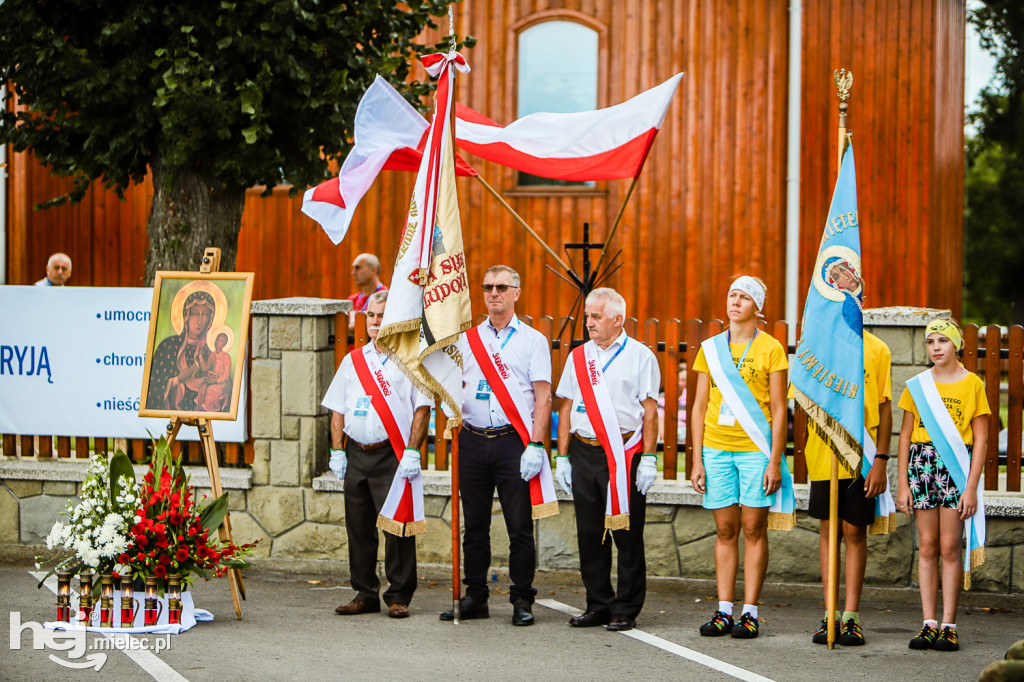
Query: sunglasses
[(500, 288)]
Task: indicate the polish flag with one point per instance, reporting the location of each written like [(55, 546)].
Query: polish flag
[(605, 144), (389, 134)]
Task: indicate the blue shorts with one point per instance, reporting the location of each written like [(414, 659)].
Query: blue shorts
[(734, 478)]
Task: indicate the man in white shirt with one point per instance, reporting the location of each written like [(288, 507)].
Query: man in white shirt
[(58, 271), (368, 465), (632, 380), (491, 451)]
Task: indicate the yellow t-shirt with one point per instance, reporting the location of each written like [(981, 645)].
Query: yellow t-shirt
[(964, 399), (766, 355), (877, 390)]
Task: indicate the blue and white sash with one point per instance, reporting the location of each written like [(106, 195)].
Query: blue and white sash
[(744, 405), (885, 507), (953, 453)]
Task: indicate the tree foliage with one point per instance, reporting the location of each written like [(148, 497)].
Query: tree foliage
[(993, 285), (213, 96)]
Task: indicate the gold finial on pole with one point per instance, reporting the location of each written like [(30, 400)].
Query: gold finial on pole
[(844, 81)]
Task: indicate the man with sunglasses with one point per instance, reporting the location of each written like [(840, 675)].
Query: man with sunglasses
[(491, 450)]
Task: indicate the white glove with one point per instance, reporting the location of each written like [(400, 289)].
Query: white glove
[(339, 462), (646, 473), (563, 473), (531, 462), (409, 467)]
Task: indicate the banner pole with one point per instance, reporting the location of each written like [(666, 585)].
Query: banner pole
[(456, 577), (618, 219), (843, 81)]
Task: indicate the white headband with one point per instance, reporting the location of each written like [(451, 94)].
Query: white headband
[(751, 288)]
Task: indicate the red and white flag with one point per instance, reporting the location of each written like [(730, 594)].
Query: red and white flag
[(429, 302), (389, 135), (605, 144)]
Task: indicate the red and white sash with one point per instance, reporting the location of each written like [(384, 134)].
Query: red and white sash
[(543, 501), (601, 413), (402, 513)]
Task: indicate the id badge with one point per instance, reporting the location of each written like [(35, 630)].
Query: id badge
[(483, 390), (581, 408), (362, 404), (725, 415)]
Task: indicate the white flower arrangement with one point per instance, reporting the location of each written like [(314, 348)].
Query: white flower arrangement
[(97, 529)]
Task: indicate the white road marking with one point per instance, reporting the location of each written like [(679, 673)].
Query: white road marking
[(670, 647), (152, 664)]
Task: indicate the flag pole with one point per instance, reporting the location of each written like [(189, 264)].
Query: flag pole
[(843, 80), (618, 219), (519, 219), (456, 577)]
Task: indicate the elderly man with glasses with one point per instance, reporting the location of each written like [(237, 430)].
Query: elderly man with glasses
[(517, 359)]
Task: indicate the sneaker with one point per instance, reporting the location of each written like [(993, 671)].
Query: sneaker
[(746, 628), (720, 624), (947, 640), (926, 638), (821, 636), (851, 634)]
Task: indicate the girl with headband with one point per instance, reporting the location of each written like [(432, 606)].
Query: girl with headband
[(945, 414), (739, 435)]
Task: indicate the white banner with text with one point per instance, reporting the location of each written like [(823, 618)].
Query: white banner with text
[(71, 361)]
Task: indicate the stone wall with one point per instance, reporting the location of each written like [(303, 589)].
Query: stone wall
[(290, 499)]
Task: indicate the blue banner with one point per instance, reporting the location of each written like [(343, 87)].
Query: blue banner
[(829, 369)]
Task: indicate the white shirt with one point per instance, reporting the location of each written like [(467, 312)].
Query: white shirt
[(525, 351), (346, 396), (632, 377)]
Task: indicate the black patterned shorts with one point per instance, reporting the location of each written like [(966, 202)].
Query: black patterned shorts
[(930, 482)]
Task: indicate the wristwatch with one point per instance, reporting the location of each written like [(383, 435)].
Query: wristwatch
[(538, 443)]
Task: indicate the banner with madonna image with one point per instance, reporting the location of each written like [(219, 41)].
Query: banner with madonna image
[(828, 372), (196, 349)]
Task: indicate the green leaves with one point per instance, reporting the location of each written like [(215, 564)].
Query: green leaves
[(120, 470), (213, 514)]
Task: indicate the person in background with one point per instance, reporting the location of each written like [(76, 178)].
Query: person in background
[(58, 271)]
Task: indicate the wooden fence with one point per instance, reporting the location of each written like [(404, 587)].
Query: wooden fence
[(672, 342)]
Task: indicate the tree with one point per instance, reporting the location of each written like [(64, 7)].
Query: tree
[(994, 250), (210, 96)]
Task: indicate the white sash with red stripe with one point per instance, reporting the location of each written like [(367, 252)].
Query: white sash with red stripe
[(402, 513), (601, 412), (543, 501)]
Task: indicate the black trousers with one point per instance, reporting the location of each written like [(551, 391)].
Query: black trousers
[(367, 481), (486, 464), (590, 492)]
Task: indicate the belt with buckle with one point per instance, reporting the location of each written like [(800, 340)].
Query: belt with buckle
[(595, 442), (368, 447), (489, 432)]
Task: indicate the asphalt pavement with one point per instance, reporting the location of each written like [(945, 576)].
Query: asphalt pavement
[(289, 632)]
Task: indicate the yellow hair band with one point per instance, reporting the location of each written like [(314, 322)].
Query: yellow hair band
[(947, 329)]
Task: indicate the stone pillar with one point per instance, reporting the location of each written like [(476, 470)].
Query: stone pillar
[(292, 366)]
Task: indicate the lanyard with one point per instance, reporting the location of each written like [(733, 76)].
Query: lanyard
[(612, 358), (366, 302), (728, 338), (511, 331)]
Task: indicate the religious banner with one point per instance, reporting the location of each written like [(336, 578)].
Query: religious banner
[(829, 370), (429, 302)]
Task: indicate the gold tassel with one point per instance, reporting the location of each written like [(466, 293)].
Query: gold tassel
[(415, 528), (389, 525), (967, 580), (781, 521), (540, 511), (881, 526), (616, 522), (977, 556), (452, 423)]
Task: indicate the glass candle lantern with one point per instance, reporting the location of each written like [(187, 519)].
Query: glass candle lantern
[(106, 600), (151, 614), (174, 598), (85, 594), (128, 608), (63, 596)]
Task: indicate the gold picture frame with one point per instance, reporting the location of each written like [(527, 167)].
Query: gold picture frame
[(197, 344)]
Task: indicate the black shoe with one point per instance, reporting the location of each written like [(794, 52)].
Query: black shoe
[(590, 619), (745, 627), (719, 625), (469, 609), (522, 612), (621, 623)]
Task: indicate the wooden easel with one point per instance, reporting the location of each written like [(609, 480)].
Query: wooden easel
[(211, 263)]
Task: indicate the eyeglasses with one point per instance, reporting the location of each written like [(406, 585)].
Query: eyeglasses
[(500, 288)]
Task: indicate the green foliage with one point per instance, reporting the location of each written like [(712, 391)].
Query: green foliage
[(260, 92), (213, 514), (121, 470), (993, 286)]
